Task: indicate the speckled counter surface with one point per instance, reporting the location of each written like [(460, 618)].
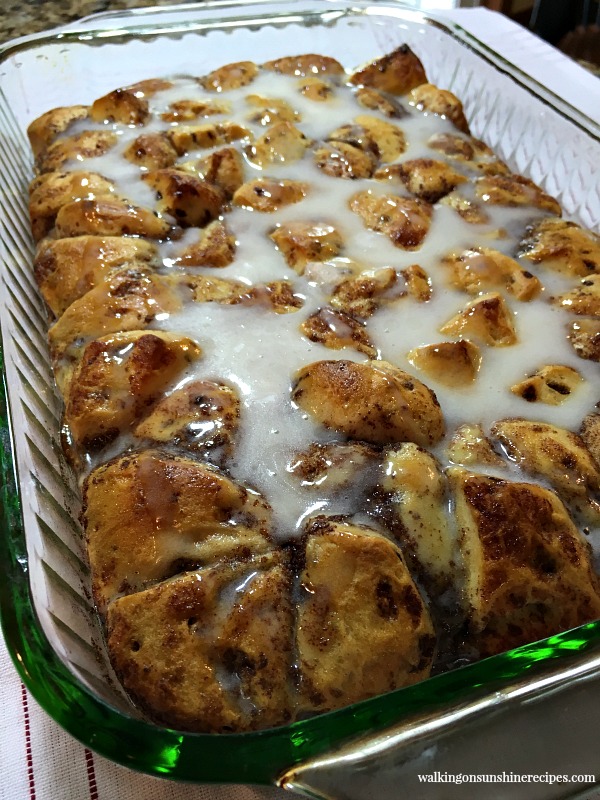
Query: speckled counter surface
[(20, 17)]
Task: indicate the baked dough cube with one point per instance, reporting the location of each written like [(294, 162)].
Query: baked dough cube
[(191, 201), (426, 178), (44, 129), (387, 139), (269, 110), (225, 169), (201, 416), (396, 73), (584, 299), (186, 138), (316, 89), (405, 221), (336, 329), (118, 378), (562, 246), (528, 569), (362, 296), (334, 466), (303, 242), (584, 336), (362, 628), (128, 301), (209, 651), (188, 110), (150, 515), (267, 195), (477, 269), (379, 101), (66, 269), (456, 147), (282, 143), (417, 496), (344, 160), (231, 76), (122, 105), (277, 296), (150, 86), (373, 402), (558, 456), (469, 210), (590, 434), (52, 190), (151, 151), (552, 385), (514, 190), (111, 218), (418, 283), (215, 248), (430, 98), (305, 65), (451, 363), (487, 320), (470, 446), (206, 289), (87, 144)]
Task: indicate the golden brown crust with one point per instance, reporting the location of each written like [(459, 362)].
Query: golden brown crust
[(53, 190), (450, 363), (121, 105), (557, 455), (426, 178), (337, 330), (363, 402), (584, 336), (302, 242), (151, 151), (46, 128), (562, 246), (118, 379), (305, 65), (110, 218), (231, 76), (215, 248), (529, 571), (405, 221), (482, 268), (150, 515), (440, 101), (396, 73), (172, 655), (201, 416), (362, 627), (266, 195), (66, 269), (487, 320), (87, 144)]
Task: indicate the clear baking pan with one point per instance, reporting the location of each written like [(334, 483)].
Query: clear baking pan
[(534, 710)]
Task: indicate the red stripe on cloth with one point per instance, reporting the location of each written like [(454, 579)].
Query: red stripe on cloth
[(91, 774), (28, 750)]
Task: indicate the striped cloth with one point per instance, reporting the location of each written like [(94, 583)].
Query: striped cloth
[(40, 761)]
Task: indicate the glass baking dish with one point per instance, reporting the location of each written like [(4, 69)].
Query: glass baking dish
[(47, 615)]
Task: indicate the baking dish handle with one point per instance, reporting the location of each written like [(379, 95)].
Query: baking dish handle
[(489, 747)]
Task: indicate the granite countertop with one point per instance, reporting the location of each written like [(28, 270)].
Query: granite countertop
[(20, 17)]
